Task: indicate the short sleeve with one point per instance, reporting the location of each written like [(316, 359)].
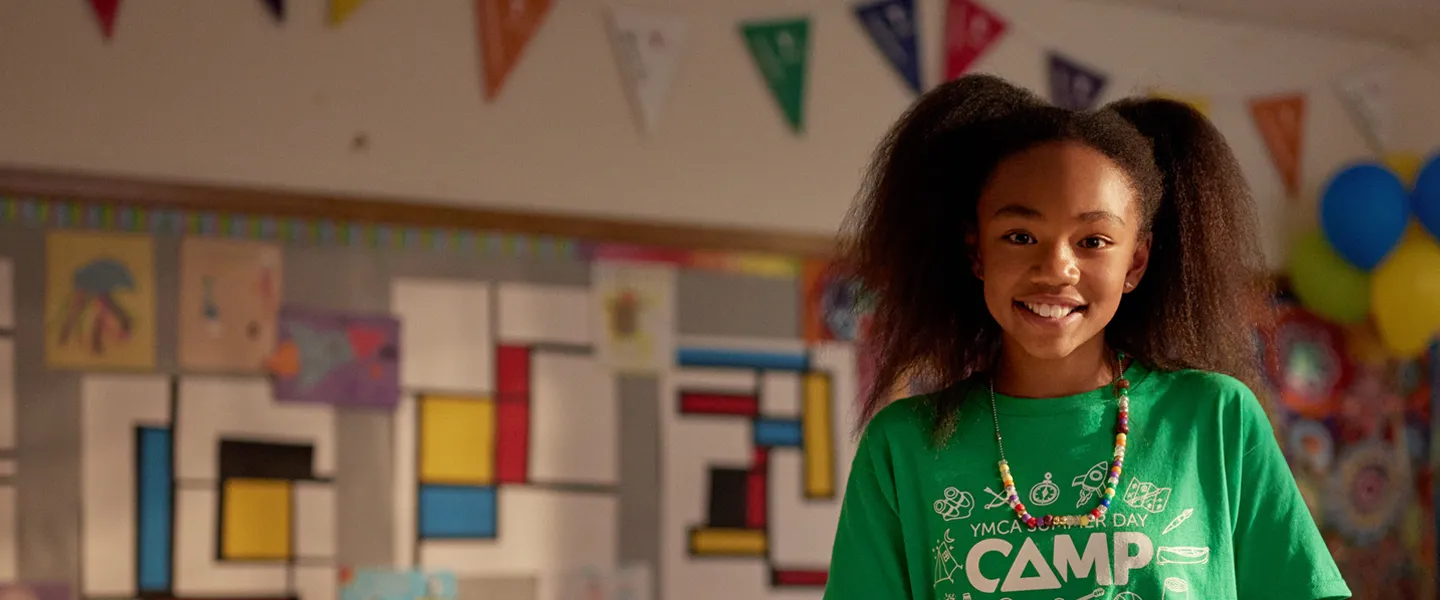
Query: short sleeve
[(868, 559), (1279, 552)]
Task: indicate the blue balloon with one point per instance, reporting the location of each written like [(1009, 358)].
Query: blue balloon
[(1426, 199), (1363, 213)]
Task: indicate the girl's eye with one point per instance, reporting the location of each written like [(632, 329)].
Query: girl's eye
[(1094, 243), (1020, 238)]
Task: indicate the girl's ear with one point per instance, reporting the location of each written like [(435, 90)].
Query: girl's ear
[(1138, 263), (973, 255)]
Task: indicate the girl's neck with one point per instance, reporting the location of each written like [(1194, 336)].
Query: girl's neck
[(1021, 375)]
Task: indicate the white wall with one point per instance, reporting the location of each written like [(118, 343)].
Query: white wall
[(215, 91)]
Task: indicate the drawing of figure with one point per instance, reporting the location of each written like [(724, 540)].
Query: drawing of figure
[(93, 286)]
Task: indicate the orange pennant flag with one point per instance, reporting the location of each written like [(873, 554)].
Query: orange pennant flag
[(506, 27), (1281, 121), (340, 10)]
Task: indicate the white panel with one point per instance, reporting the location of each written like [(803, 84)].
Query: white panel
[(541, 530), (780, 394), (403, 519), (801, 531), (110, 408), (7, 294), (735, 381), (7, 392), (545, 313), (445, 336), (317, 582), (314, 520), (8, 534), (575, 420), (212, 408), (197, 573)]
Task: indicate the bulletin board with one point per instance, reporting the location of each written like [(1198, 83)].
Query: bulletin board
[(227, 394)]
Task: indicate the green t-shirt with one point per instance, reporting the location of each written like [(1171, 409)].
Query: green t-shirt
[(1206, 508)]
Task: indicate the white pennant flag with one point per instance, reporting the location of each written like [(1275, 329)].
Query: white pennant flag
[(1367, 97), (648, 47)]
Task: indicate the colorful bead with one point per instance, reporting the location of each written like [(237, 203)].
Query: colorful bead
[(1049, 520), (1105, 502)]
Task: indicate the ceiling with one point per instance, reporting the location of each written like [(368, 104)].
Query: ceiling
[(1407, 22)]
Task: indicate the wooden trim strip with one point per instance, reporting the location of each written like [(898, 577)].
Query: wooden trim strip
[(154, 193)]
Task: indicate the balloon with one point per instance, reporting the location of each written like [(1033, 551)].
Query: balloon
[(1325, 283), (1405, 295), (1405, 165), (1426, 199), (1363, 212)]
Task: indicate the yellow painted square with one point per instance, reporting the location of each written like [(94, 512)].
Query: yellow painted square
[(457, 440), (818, 431), (255, 523)]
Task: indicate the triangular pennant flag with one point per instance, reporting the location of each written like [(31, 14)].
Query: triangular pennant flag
[(1200, 103), (506, 27), (648, 47), (1072, 85), (781, 50), (1281, 121), (277, 9), (970, 30), (892, 26), (340, 10), (105, 11), (1367, 98)]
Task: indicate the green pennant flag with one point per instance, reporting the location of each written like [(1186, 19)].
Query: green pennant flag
[(781, 50)]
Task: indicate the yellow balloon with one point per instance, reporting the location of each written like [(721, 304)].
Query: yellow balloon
[(1405, 165), (1405, 295)]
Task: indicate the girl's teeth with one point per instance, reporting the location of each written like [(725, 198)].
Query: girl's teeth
[(1049, 311)]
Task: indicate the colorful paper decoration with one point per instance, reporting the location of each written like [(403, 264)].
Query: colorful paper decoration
[(1366, 97), (277, 9), (648, 48), (634, 308), (340, 10), (505, 28), (1072, 85), (970, 30), (893, 27), (336, 358), (105, 11), (1281, 121), (99, 301), (781, 50)]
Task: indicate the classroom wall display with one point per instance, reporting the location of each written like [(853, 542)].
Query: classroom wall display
[(329, 409)]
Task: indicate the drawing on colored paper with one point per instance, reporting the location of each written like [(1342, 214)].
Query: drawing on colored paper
[(834, 307), (336, 358), (229, 298), (636, 309), (396, 584), (738, 524), (625, 583), (34, 591), (99, 301)]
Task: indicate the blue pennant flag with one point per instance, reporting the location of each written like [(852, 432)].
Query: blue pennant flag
[(1072, 85), (891, 25)]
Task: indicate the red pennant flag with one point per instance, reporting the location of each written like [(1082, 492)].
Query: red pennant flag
[(506, 27), (970, 30), (105, 11), (1281, 121)]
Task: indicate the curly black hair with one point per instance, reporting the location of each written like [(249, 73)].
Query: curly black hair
[(1205, 289)]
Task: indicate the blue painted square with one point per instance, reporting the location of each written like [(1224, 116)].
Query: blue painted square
[(777, 432), (154, 509), (454, 511), (742, 359)]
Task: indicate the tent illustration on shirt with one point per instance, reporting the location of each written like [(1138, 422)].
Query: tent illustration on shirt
[(945, 563)]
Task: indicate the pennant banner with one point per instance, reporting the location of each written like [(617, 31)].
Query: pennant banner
[(970, 30), (648, 47), (340, 10), (1281, 121), (781, 50), (1367, 98), (277, 9), (892, 26), (105, 11), (1199, 103), (506, 27), (1072, 85)]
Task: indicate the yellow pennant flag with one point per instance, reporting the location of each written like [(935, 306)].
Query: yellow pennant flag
[(341, 9), (1199, 103)]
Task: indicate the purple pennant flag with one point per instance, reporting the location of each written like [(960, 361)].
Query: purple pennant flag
[(892, 26), (277, 9), (1072, 85)]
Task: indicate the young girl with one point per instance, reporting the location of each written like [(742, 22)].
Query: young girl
[(1082, 288)]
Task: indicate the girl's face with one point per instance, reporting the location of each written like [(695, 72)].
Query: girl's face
[(1058, 243)]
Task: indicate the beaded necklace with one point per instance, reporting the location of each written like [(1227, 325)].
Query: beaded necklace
[(1122, 428)]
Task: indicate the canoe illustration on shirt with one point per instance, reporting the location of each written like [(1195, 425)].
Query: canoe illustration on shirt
[(1182, 555)]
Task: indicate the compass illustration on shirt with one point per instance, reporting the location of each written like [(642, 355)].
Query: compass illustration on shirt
[(1044, 493)]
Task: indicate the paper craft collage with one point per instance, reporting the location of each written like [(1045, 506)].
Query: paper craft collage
[(226, 417)]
